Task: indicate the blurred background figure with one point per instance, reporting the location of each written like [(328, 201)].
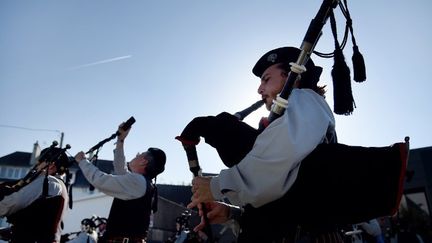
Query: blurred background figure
[(183, 232), (100, 223), (88, 233)]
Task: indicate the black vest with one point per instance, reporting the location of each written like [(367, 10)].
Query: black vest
[(130, 218), (38, 222), (331, 190)]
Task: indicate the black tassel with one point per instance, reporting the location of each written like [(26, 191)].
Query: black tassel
[(70, 197), (68, 185), (45, 185), (358, 65), (342, 93)]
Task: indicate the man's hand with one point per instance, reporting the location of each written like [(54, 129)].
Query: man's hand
[(217, 213), (79, 156), (122, 133), (201, 191)]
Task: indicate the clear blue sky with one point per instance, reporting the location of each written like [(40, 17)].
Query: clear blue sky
[(82, 67)]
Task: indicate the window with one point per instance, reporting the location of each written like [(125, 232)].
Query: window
[(12, 172), (2, 172), (16, 173), (23, 172), (9, 172)]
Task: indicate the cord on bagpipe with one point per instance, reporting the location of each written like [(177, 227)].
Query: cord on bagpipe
[(359, 67)]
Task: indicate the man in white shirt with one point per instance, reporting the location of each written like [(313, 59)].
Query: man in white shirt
[(27, 204), (132, 188), (269, 170)]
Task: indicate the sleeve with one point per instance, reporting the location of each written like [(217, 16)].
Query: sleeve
[(270, 168), (28, 194), (126, 186), (119, 162), (371, 227)]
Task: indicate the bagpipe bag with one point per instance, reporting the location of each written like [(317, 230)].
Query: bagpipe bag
[(336, 183)]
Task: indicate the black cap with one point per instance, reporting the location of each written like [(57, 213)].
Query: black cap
[(88, 222), (159, 159), (286, 55)]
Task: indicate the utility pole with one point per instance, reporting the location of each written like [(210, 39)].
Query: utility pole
[(61, 139)]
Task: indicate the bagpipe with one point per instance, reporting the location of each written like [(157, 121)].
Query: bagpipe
[(50, 155), (336, 183), (38, 221), (93, 152)]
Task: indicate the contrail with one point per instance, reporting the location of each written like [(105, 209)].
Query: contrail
[(100, 62)]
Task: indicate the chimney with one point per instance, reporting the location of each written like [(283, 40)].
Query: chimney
[(35, 153)]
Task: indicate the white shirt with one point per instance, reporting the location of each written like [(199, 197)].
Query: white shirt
[(125, 185), (29, 193), (270, 168)]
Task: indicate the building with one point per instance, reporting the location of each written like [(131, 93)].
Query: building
[(418, 184)]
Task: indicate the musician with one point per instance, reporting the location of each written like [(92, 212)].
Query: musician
[(87, 234), (269, 170), (132, 187), (21, 207)]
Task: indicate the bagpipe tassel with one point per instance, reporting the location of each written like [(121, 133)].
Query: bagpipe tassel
[(358, 62), (342, 93), (154, 204), (359, 66)]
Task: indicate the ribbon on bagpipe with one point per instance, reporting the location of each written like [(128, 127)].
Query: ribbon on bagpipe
[(336, 183)]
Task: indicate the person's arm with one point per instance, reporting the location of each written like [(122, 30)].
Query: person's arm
[(28, 194), (270, 168), (119, 162), (127, 186)]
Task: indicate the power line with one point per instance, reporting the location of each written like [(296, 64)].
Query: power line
[(37, 129)]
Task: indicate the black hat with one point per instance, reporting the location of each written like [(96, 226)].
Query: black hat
[(57, 156), (158, 164), (286, 55), (88, 222)]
